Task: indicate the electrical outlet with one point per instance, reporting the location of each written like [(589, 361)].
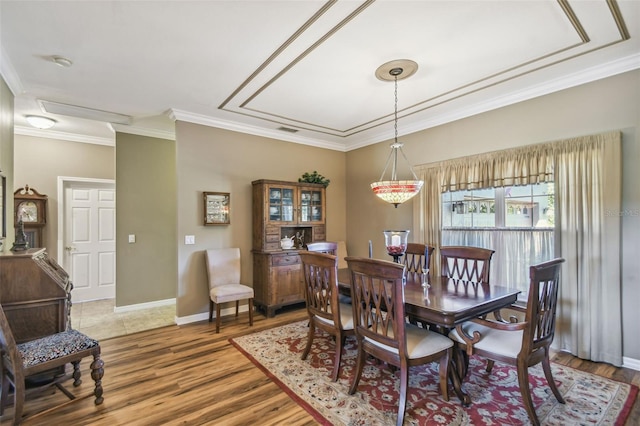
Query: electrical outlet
[(189, 239), (132, 238)]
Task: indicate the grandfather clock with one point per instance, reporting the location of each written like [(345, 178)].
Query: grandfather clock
[(30, 207)]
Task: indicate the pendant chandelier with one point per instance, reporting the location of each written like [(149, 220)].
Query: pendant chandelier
[(396, 191)]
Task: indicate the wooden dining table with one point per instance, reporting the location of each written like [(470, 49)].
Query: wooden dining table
[(444, 303)]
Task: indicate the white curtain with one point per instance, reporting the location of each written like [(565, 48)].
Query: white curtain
[(586, 172)]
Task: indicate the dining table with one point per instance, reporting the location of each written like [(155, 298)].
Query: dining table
[(443, 303)]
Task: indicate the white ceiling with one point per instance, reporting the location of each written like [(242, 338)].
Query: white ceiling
[(257, 66)]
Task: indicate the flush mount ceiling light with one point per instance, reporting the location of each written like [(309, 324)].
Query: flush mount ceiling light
[(40, 122), (61, 61), (396, 191)]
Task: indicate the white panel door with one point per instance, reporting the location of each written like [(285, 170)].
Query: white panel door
[(90, 240)]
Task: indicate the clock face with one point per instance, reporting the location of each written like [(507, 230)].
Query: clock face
[(28, 211)]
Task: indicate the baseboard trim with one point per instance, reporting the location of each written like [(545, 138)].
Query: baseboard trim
[(146, 305), (204, 316), (633, 364)]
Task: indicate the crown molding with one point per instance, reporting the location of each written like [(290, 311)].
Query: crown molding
[(175, 115), (10, 75), (588, 75), (144, 131)]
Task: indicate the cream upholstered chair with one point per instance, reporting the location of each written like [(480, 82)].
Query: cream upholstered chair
[(325, 311), (223, 271), (19, 361), (523, 344), (323, 247), (377, 293)]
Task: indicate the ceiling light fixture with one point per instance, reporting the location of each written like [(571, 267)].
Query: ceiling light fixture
[(61, 61), (396, 191), (40, 122)]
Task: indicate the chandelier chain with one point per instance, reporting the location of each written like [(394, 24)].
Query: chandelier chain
[(395, 112)]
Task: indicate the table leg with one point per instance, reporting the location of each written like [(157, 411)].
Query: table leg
[(457, 372)]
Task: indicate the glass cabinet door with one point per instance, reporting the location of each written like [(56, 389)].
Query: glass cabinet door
[(311, 205), (281, 204)]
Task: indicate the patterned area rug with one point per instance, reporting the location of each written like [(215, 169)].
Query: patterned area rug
[(496, 400)]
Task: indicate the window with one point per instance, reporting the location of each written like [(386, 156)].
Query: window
[(517, 222)]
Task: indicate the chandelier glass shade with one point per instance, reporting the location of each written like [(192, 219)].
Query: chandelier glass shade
[(395, 191)]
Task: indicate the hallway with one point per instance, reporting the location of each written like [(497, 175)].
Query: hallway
[(98, 320)]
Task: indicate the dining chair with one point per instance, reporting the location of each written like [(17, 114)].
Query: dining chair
[(329, 247), (223, 272), (467, 264), (377, 290), (417, 257), (522, 344), (325, 312), (20, 361)]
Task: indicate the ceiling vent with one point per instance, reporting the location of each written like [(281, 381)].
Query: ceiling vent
[(81, 112), (288, 129)]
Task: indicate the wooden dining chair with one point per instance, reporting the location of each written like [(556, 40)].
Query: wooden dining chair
[(325, 312), (49, 353), (377, 291), (328, 247), (466, 264), (522, 344), (417, 257)]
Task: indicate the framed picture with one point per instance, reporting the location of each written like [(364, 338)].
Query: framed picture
[(217, 208)]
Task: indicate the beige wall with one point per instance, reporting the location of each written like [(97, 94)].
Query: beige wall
[(6, 159), (40, 161), (609, 104), (146, 208), (210, 159)]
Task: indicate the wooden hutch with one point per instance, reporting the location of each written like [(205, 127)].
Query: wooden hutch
[(283, 210)]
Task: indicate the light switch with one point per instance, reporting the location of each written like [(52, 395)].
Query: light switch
[(189, 239), (132, 238)]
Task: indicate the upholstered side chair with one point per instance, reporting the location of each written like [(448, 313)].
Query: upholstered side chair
[(377, 292), (20, 361), (522, 344), (325, 311), (328, 247), (223, 272)]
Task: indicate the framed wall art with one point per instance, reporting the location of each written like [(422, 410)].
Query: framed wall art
[(217, 208)]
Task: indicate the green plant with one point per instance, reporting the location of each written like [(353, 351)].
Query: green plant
[(314, 177)]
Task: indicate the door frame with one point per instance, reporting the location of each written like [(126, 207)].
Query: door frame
[(63, 183)]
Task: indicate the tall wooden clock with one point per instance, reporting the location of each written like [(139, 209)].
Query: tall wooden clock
[(31, 207)]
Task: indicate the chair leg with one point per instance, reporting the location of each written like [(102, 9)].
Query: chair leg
[(489, 366), (250, 312), (359, 366), (402, 398), (336, 366), (77, 381), (310, 336), (523, 382), (444, 374), (237, 306), (18, 401), (217, 318), (546, 366), (97, 371), (210, 310)]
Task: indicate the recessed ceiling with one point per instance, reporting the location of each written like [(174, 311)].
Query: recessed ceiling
[(270, 67)]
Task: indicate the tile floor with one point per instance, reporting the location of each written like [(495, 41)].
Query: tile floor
[(97, 319)]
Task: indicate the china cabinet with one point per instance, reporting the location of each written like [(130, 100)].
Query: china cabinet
[(289, 215)]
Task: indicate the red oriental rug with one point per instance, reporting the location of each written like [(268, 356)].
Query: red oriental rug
[(496, 399)]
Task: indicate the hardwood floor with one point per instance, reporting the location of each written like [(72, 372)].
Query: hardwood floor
[(189, 375)]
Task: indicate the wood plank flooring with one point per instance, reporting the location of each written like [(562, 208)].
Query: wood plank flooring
[(189, 375)]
